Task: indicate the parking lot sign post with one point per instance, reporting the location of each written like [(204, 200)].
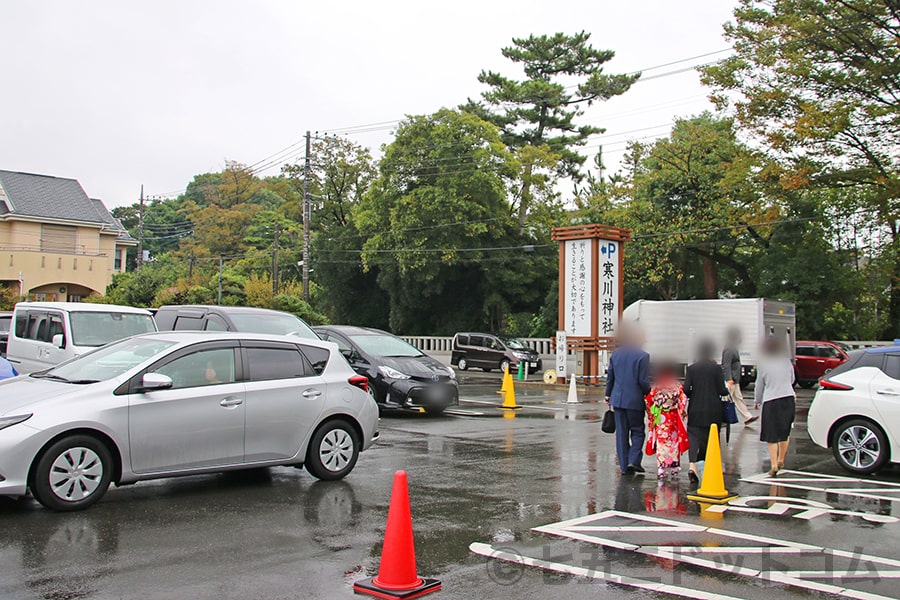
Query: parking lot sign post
[(591, 288)]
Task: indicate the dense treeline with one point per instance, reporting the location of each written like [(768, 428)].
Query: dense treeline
[(790, 192)]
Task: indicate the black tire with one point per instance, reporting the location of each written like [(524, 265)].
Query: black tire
[(463, 364), (860, 446), (333, 451), (91, 472), (806, 384)]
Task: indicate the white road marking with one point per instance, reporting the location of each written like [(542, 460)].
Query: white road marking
[(642, 584), (714, 557), (781, 505), (498, 404), (818, 482)]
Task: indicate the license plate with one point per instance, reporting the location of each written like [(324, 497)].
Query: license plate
[(534, 364)]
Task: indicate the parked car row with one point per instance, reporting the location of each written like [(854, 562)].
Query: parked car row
[(175, 403), (112, 395)]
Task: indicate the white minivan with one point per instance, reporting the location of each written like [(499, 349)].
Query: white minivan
[(45, 334)]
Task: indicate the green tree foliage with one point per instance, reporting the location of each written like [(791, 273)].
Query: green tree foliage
[(440, 198), (341, 175), (700, 199), (563, 74), (819, 82)]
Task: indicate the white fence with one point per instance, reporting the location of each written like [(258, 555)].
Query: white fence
[(444, 345)]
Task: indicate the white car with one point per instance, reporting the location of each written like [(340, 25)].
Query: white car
[(179, 403), (856, 411)]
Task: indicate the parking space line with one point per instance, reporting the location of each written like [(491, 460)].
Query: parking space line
[(818, 482), (727, 558), (524, 406), (488, 551)]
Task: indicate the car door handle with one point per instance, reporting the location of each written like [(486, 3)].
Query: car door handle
[(312, 393), (820, 360), (887, 393), (230, 402)]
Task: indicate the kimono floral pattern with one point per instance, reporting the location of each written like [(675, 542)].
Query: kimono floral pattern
[(666, 404)]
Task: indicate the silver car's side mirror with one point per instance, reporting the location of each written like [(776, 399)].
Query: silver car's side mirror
[(155, 381)]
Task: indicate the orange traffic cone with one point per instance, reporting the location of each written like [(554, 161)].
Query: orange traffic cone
[(712, 488), (397, 576)]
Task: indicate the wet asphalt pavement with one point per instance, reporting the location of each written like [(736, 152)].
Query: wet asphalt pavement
[(476, 475)]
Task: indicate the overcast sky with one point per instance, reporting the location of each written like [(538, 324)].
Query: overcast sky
[(118, 94)]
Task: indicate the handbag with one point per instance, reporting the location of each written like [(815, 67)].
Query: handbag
[(730, 412), (608, 425)]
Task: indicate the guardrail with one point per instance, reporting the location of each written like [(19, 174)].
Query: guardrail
[(432, 343), (444, 344)]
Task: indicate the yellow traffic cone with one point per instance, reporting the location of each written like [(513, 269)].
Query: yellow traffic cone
[(509, 399), (507, 382), (712, 488)]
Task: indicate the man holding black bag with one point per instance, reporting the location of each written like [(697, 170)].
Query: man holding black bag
[(627, 383)]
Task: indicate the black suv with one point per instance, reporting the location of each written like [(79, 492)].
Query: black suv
[(197, 317), (490, 352)]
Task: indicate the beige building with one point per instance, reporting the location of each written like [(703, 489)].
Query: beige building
[(56, 243)]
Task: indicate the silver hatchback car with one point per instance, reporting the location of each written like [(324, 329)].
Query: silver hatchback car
[(179, 403)]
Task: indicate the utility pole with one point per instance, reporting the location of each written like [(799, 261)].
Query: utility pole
[(307, 213), (219, 299), (140, 249), (275, 261)]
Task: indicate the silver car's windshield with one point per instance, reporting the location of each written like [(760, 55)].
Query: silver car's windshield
[(275, 324), (101, 328), (107, 362), (385, 345)]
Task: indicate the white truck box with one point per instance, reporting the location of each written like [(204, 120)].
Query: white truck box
[(674, 328)]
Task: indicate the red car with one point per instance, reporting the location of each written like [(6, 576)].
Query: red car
[(814, 359)]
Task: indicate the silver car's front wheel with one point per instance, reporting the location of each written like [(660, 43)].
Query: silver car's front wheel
[(76, 474), (860, 446), (72, 474), (333, 450)]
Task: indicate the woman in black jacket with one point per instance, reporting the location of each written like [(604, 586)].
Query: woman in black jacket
[(704, 385)]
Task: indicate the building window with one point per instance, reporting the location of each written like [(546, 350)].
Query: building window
[(59, 238), (118, 266)]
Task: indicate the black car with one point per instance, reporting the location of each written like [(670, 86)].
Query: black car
[(246, 319), (5, 322), (400, 375), (490, 352)]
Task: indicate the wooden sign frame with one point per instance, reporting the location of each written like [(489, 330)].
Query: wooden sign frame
[(595, 342)]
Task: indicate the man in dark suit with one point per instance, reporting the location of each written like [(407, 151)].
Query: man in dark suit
[(627, 383)]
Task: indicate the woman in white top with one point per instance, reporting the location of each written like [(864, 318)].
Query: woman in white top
[(775, 391)]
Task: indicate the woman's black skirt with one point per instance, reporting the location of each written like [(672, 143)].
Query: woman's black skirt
[(777, 418)]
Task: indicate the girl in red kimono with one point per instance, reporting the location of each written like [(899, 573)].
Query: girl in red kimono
[(667, 437)]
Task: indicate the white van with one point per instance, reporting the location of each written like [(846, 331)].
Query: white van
[(45, 334)]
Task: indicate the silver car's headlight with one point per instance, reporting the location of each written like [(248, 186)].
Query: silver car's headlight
[(393, 373), (10, 421), (451, 373)]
